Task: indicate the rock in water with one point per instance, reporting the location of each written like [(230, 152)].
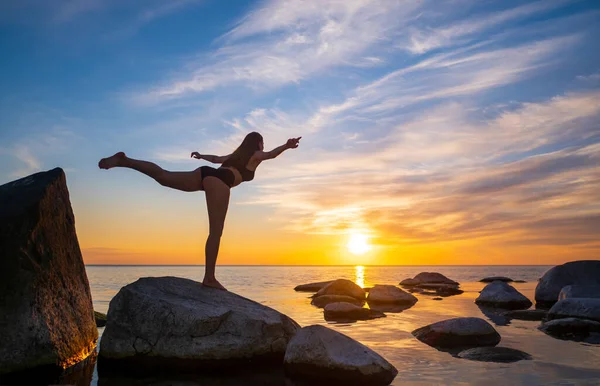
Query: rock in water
[(526, 314), (571, 328), (502, 295), (342, 287), (46, 314), (494, 354), (458, 332), (428, 277), (349, 312), (490, 279), (100, 319), (311, 287), (583, 308), (324, 300), (176, 322), (390, 294), (583, 272), (579, 291), (327, 356)]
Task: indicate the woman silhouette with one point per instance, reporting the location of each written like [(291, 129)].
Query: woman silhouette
[(236, 167)]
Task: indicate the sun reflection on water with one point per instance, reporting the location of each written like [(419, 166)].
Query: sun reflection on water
[(359, 272)]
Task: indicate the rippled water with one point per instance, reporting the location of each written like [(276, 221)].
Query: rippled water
[(555, 362)]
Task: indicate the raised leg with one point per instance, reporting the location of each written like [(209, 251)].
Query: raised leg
[(217, 202), (185, 181)]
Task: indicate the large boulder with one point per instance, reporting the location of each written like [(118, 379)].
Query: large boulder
[(579, 291), (583, 308), (342, 287), (349, 312), (324, 300), (583, 272), (494, 354), (329, 357), (390, 294), (176, 322), (428, 277), (311, 287), (502, 295), (46, 314), (458, 333)]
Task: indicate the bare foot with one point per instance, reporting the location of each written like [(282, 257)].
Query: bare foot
[(214, 283), (111, 162)]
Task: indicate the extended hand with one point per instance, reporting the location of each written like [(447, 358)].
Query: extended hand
[(292, 143), (195, 155)]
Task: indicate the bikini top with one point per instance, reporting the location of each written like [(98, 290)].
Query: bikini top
[(247, 175)]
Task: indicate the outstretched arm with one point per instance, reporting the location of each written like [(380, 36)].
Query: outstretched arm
[(291, 143), (210, 158)]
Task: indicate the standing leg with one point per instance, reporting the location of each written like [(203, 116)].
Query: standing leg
[(185, 181), (217, 202)]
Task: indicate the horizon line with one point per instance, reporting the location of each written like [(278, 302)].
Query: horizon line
[(322, 265)]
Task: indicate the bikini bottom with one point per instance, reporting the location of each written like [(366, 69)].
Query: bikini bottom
[(224, 175)]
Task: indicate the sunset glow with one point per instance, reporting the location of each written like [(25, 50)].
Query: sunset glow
[(358, 243)]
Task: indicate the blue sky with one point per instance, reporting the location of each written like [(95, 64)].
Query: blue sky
[(468, 125)]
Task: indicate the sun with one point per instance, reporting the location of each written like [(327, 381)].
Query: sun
[(358, 244)]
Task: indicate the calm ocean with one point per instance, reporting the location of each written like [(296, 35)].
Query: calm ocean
[(555, 362)]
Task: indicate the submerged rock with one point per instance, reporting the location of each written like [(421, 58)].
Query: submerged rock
[(502, 295), (526, 314), (349, 312), (390, 294), (100, 319), (175, 322), (494, 354), (583, 308), (46, 314), (490, 279), (342, 287), (572, 329), (311, 287), (458, 332), (324, 300), (579, 291), (323, 355), (428, 277), (583, 272)]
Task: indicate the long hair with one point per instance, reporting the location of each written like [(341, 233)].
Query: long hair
[(242, 154)]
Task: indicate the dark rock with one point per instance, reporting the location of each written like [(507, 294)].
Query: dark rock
[(390, 294), (342, 287), (572, 329), (579, 291), (458, 333), (46, 314), (100, 319), (428, 277), (171, 322), (490, 279), (582, 308), (437, 298), (311, 287), (584, 272), (496, 315), (326, 356), (502, 295), (519, 281), (349, 312), (324, 300), (526, 314), (494, 354)]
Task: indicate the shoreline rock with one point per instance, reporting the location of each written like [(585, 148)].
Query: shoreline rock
[(582, 272), (324, 300), (582, 308), (390, 294), (502, 295), (490, 279), (494, 354), (349, 312), (311, 287), (428, 278), (579, 291), (342, 287), (458, 333)]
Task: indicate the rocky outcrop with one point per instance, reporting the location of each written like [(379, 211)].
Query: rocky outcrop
[(502, 295), (320, 354), (494, 354), (490, 279), (175, 322), (582, 308), (311, 287), (579, 291), (46, 314), (324, 300), (390, 294), (584, 272), (526, 314), (349, 312), (428, 277), (342, 287), (458, 333)]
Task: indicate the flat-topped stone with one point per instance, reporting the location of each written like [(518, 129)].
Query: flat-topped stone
[(490, 279), (390, 294), (324, 300), (494, 354), (348, 312), (428, 277), (458, 332), (502, 295)]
